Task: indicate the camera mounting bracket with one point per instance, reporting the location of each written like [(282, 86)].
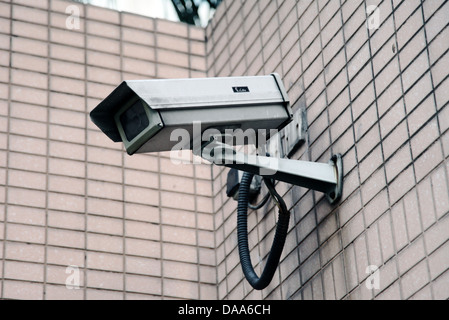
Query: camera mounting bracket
[(323, 177)]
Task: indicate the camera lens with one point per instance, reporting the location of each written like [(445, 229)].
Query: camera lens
[(134, 120)]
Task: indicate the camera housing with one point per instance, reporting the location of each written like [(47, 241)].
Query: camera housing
[(144, 114)]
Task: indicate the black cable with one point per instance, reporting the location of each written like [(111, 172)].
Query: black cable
[(264, 200), (261, 204), (242, 234)]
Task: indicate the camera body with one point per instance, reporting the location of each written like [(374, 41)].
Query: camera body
[(145, 114)]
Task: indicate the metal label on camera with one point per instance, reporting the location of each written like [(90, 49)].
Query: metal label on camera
[(240, 89)]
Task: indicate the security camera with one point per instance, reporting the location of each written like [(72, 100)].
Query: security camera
[(144, 114)]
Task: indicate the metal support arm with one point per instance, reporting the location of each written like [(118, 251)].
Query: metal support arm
[(322, 177)]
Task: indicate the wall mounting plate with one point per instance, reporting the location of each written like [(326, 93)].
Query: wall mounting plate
[(335, 196), (287, 141), (294, 135)]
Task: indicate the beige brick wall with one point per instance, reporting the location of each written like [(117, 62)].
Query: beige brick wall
[(380, 99), (136, 227), (142, 227)]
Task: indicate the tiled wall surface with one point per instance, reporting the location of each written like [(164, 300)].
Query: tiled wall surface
[(136, 227), (378, 97), (143, 227)]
